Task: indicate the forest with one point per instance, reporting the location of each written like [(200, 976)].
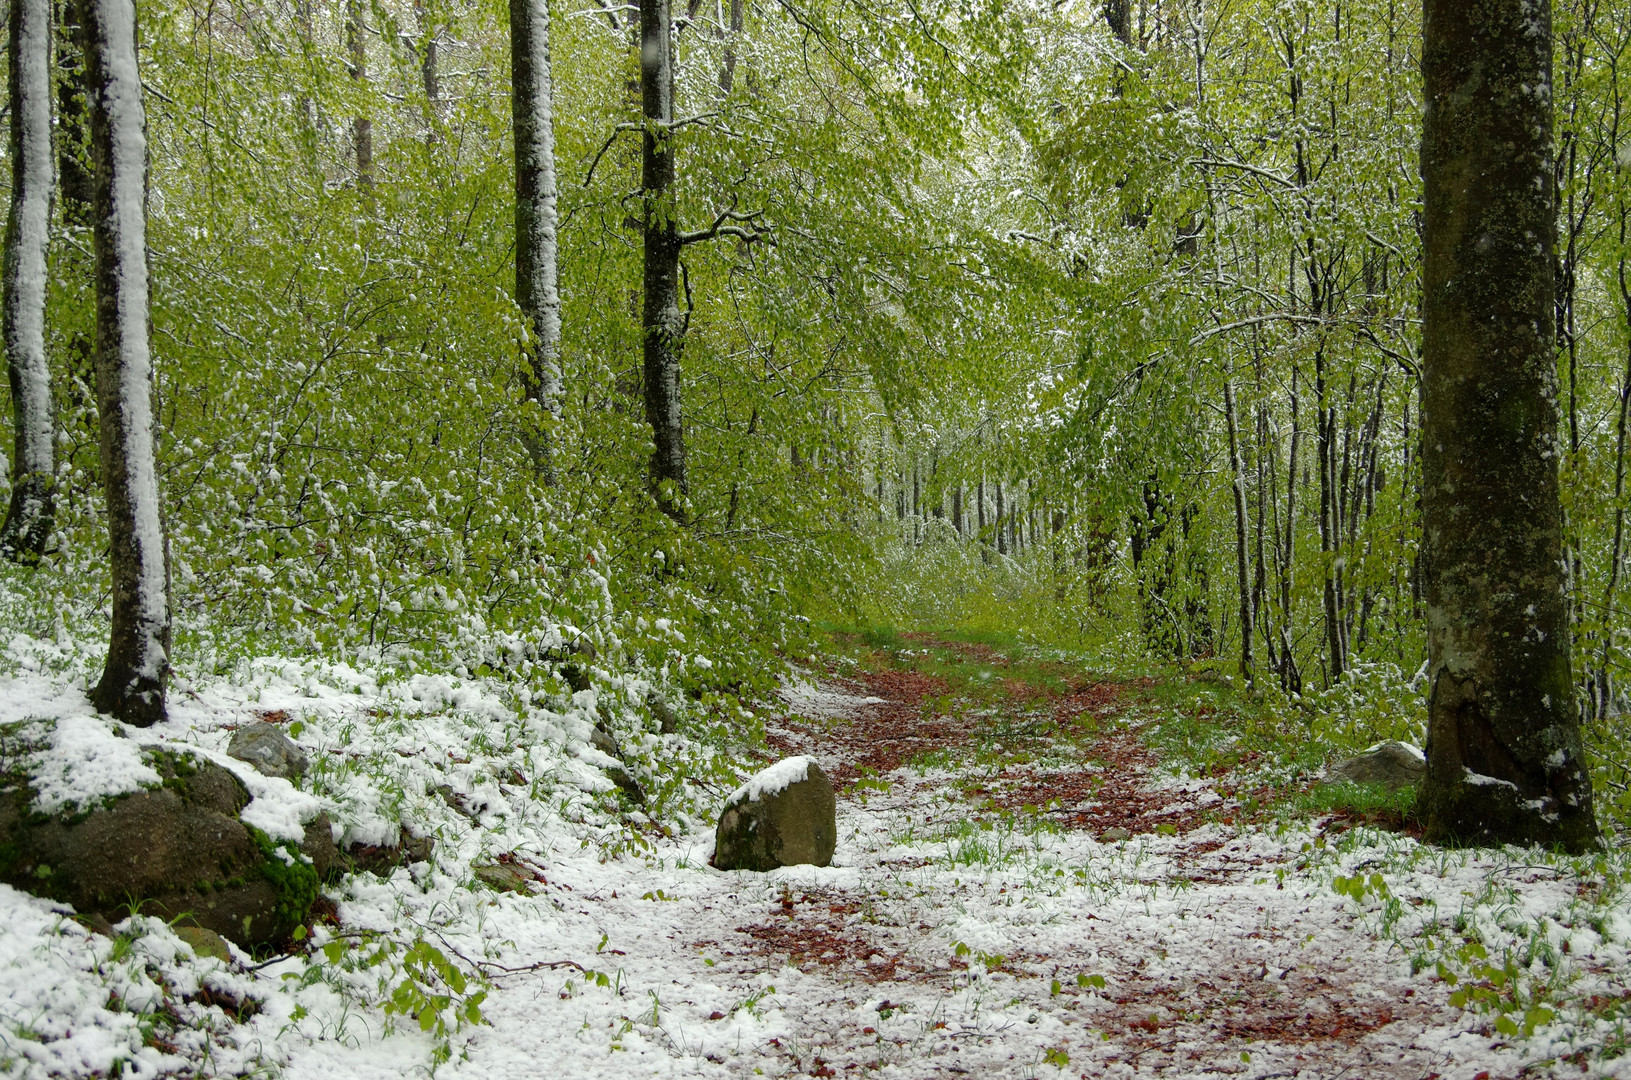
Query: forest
[(1141, 483)]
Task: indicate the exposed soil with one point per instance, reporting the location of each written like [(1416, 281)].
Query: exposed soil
[(1280, 992)]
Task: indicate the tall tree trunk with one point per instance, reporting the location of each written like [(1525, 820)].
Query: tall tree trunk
[(362, 125), (1291, 678), (661, 319), (132, 685), (957, 508), (537, 268), (1241, 530), (28, 520), (1505, 762)]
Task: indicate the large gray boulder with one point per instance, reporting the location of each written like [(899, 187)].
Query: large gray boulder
[(786, 815), (270, 751), (1392, 764), (177, 851)]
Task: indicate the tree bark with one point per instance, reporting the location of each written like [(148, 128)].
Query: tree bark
[(537, 267), (1505, 763), (32, 509), (661, 319), (362, 125), (132, 685), (727, 70)]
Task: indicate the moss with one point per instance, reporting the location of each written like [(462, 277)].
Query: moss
[(176, 767), (295, 883)]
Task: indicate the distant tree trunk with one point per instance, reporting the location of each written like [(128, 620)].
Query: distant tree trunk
[(1505, 761), (1291, 679), (1237, 471), (29, 516), (957, 508), (727, 71), (1002, 522), (537, 271), (132, 685), (429, 67), (661, 318), (362, 126)]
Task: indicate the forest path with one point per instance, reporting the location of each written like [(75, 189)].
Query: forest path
[(1019, 890)]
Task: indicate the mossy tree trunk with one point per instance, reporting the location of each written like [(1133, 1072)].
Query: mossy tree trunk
[(1505, 761), (132, 685)]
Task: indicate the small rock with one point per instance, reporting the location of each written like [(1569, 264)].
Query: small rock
[(319, 846), (785, 816), (617, 774), (269, 750), (1392, 764), (502, 878), (381, 859), (667, 722), (1114, 835), (604, 742), (456, 802), (204, 942)]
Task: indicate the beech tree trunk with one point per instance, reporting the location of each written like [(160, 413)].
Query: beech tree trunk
[(132, 686), (662, 320), (27, 526), (1504, 756), (537, 269)]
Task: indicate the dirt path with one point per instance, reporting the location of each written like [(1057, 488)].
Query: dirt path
[(1018, 891)]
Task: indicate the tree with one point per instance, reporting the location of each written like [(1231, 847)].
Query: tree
[(132, 685), (1505, 759), (661, 320), (537, 269), (28, 228)]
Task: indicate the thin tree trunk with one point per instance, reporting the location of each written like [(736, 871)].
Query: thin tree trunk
[(132, 685), (1290, 676), (537, 269), (1505, 761), (727, 72), (661, 319), (1239, 486), (32, 508), (1002, 522)]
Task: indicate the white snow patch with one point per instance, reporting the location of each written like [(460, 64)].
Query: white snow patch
[(1480, 780), (773, 780), (821, 702), (86, 762)]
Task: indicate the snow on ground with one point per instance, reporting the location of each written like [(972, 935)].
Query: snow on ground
[(938, 944)]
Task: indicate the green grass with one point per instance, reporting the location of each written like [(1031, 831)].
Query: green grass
[(1367, 801)]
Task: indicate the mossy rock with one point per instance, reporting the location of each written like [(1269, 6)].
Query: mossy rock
[(177, 851)]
